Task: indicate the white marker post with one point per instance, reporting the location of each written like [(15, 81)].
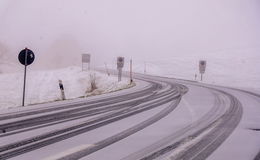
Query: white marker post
[(62, 90)]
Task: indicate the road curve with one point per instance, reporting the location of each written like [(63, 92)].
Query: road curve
[(212, 123), (196, 140), (110, 109)]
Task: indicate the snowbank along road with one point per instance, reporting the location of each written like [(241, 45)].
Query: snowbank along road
[(162, 118)]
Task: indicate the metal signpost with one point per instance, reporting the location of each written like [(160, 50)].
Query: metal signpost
[(26, 57), (131, 71), (144, 67), (202, 68), (85, 60), (107, 69), (120, 65)]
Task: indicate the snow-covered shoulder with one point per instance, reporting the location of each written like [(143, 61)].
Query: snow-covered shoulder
[(43, 86)]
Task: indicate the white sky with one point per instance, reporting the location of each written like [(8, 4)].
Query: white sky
[(141, 29)]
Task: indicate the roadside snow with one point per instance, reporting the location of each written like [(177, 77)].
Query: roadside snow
[(235, 68), (42, 86)]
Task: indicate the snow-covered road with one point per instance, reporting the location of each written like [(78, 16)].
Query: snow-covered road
[(160, 118)]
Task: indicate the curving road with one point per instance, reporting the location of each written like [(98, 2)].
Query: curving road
[(162, 118)]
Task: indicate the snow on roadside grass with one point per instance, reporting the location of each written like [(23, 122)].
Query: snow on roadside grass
[(42, 86)]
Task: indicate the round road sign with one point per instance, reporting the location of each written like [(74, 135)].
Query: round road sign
[(30, 56)]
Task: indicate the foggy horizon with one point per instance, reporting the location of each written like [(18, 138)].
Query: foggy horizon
[(146, 30), (187, 85)]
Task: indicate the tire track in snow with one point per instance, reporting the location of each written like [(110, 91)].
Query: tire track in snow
[(227, 122), (49, 138)]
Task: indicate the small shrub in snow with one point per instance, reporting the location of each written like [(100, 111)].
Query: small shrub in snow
[(93, 84)]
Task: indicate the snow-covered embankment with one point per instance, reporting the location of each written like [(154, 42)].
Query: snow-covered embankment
[(42, 86)]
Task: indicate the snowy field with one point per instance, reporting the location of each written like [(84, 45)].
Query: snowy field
[(42, 86), (229, 68), (234, 68)]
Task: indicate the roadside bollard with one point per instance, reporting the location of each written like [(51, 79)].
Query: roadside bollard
[(62, 90)]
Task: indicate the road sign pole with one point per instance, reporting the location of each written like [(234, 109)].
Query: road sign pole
[(120, 65), (25, 57), (131, 72), (107, 70), (144, 67), (202, 68), (85, 62), (82, 67), (119, 74), (24, 79)]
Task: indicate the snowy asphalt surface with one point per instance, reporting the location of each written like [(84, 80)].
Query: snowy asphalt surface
[(164, 119)]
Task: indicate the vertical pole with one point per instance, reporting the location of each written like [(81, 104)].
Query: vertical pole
[(144, 67), (82, 66), (119, 74), (201, 77), (24, 79), (131, 72), (62, 90), (107, 70)]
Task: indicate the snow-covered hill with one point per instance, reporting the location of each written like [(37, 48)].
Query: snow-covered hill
[(42, 86)]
